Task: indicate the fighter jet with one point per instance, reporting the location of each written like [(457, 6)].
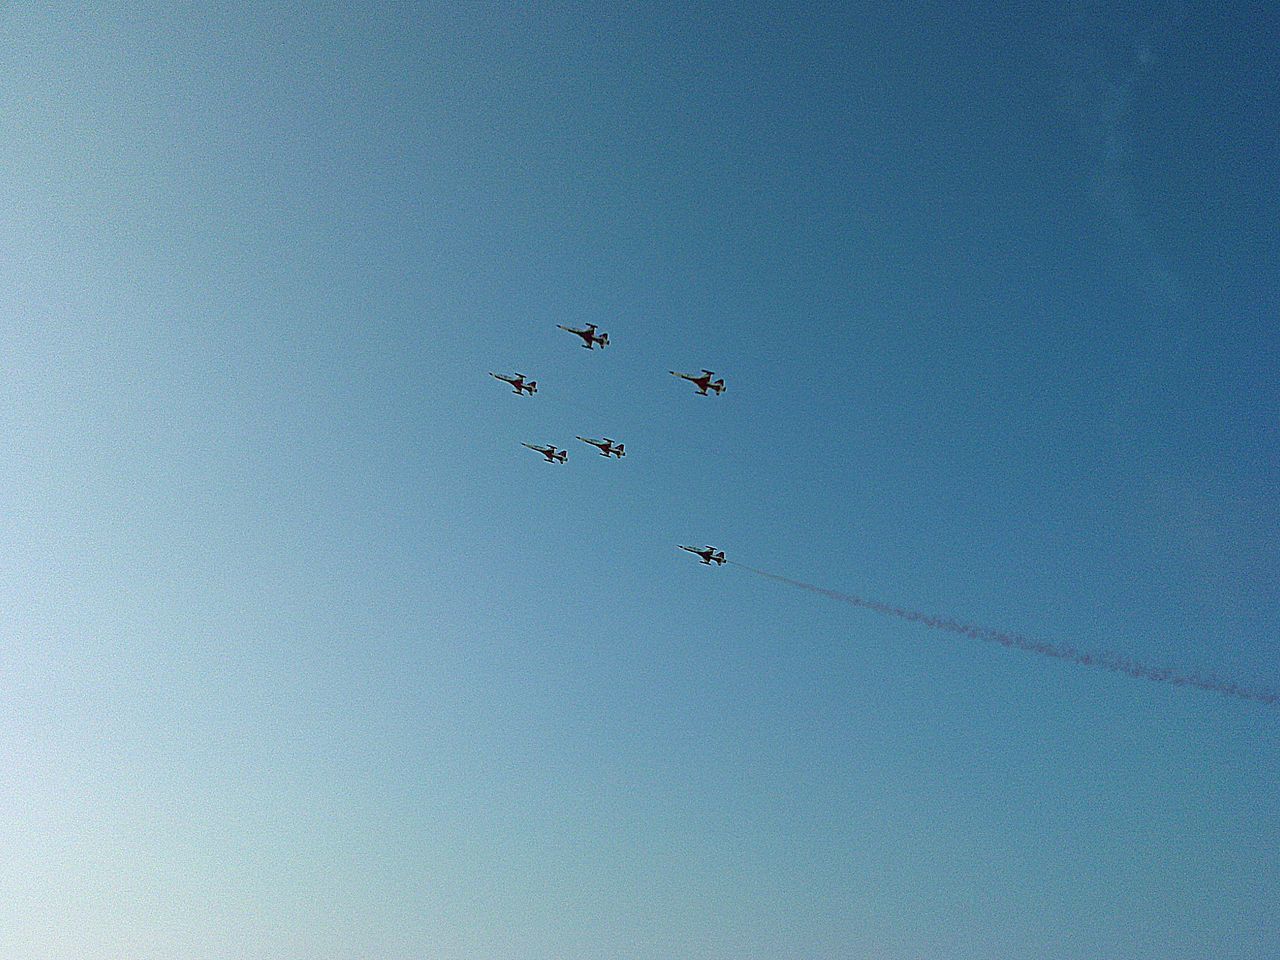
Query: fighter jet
[(519, 384), (589, 336), (551, 453), (709, 555), (606, 446), (704, 382)]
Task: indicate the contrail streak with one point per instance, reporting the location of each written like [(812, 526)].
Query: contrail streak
[(1106, 661)]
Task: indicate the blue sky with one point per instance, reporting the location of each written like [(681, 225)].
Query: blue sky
[(304, 656)]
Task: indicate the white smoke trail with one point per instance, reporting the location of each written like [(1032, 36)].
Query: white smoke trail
[(1104, 660)]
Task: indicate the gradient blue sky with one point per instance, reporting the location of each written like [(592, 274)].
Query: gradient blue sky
[(304, 657)]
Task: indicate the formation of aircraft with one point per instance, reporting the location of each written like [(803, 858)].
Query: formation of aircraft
[(704, 383), (709, 555), (519, 384), (551, 454), (589, 336), (606, 447), (592, 338)]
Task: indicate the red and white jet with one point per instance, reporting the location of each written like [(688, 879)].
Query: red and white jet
[(703, 383), (518, 382), (551, 454), (709, 555), (606, 447), (589, 336)]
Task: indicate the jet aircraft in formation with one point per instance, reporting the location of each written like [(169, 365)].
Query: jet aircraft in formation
[(606, 447), (703, 383), (589, 336), (518, 383), (709, 555), (551, 454)]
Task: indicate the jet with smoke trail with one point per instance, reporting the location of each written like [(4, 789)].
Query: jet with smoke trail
[(1104, 660), (708, 554)]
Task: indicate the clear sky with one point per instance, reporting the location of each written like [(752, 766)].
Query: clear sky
[(303, 656)]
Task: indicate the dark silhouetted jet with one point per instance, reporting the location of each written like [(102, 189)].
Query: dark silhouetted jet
[(589, 336), (518, 383), (551, 453), (704, 382), (709, 555), (606, 447)]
